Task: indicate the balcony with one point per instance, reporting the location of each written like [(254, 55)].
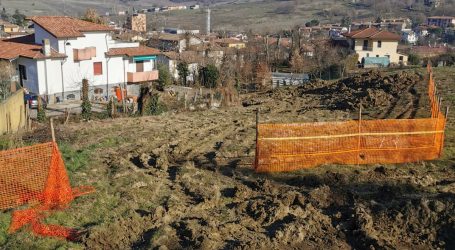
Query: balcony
[(137, 77), (366, 48), (84, 54)]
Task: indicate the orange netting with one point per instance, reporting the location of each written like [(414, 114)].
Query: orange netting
[(288, 147), (36, 175)]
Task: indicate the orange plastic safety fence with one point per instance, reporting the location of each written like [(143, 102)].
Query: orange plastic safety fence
[(288, 147), (36, 175)]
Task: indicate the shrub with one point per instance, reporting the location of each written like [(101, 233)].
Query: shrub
[(41, 112), (413, 59), (149, 102), (86, 105), (209, 76), (164, 76)]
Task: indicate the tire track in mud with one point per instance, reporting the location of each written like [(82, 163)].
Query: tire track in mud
[(199, 192)]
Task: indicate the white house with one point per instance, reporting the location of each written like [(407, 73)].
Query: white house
[(171, 59), (409, 36), (64, 50), (379, 46)]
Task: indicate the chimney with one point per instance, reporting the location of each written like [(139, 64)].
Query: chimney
[(46, 47), (208, 21)]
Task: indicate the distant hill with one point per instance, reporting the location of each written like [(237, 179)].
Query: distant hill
[(241, 15)]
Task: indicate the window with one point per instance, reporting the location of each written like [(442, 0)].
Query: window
[(22, 72), (377, 55), (379, 44), (97, 68), (368, 54), (365, 44), (71, 97), (98, 91), (139, 66), (400, 58)]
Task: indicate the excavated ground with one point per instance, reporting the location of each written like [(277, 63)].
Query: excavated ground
[(186, 180)]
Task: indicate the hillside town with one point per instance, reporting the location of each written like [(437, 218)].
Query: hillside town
[(113, 56), (119, 132)]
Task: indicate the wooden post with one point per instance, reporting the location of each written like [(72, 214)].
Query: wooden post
[(113, 108), (7, 123), (256, 157), (123, 99), (359, 131), (21, 121), (68, 112), (185, 97), (52, 129), (439, 106), (29, 121), (443, 133)]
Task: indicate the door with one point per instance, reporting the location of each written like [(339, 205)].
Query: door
[(139, 66), (22, 74)]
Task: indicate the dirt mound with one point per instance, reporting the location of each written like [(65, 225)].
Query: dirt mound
[(373, 90), (381, 95), (186, 181)]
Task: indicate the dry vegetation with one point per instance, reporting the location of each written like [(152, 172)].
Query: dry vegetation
[(241, 15), (185, 180)]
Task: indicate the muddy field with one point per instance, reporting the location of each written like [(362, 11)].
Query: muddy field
[(186, 180)]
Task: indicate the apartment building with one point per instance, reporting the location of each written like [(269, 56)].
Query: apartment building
[(63, 50)]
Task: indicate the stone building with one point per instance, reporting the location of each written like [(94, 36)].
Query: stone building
[(137, 22)]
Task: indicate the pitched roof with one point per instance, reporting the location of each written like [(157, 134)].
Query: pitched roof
[(440, 17), (185, 56), (134, 51), (170, 37), (229, 41), (3, 22), (67, 27), (373, 33), (285, 42), (205, 46), (23, 47)]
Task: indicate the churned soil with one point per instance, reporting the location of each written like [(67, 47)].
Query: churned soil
[(186, 180)]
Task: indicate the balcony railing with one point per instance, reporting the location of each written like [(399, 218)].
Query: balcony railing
[(136, 77), (84, 54), (366, 48)]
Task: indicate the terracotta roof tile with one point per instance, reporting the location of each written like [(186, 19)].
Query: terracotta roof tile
[(67, 27), (135, 51), (170, 37), (373, 33), (21, 47), (185, 56)]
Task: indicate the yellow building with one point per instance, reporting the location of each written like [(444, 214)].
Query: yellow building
[(9, 28), (231, 43), (372, 42)]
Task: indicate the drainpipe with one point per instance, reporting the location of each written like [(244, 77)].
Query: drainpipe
[(47, 53), (124, 87), (107, 78), (63, 79), (45, 79), (107, 68), (61, 69)]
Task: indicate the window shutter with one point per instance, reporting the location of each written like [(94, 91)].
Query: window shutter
[(97, 68)]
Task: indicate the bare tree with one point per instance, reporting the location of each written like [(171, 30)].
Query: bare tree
[(91, 15), (6, 74), (296, 62)]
